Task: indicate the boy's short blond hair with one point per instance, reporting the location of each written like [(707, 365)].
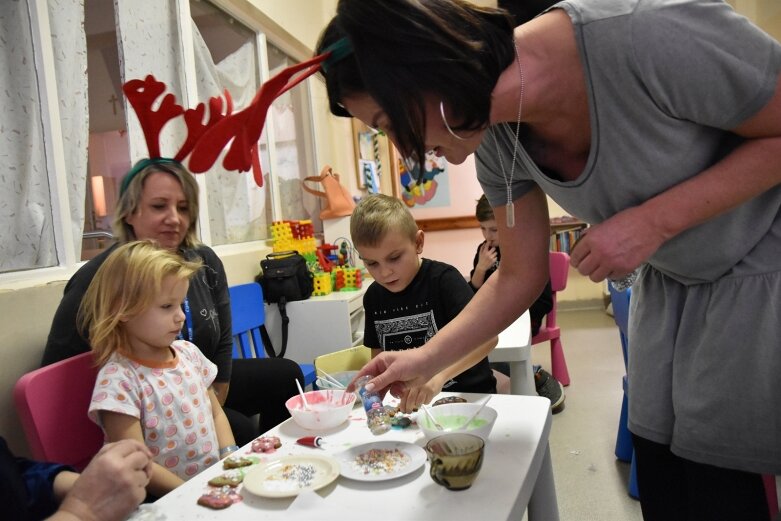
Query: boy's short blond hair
[(376, 215), (125, 285)]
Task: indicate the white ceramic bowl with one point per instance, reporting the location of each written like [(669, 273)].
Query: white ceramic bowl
[(327, 409), (451, 415)]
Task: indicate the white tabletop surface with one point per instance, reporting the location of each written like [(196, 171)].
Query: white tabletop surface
[(514, 455)]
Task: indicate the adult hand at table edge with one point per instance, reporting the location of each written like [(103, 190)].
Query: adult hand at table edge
[(112, 485)]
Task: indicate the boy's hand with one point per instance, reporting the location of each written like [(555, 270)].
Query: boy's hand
[(486, 257), (415, 396)]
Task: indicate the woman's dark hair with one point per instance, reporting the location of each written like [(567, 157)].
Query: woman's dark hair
[(405, 50), (524, 10)]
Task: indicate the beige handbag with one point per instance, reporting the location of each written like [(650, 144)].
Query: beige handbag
[(339, 202)]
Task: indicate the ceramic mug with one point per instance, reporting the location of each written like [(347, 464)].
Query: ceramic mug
[(455, 459)]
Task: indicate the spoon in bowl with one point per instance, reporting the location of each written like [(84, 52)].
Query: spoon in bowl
[(430, 417), (468, 421), (303, 397)]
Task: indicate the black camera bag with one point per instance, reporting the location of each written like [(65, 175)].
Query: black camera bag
[(284, 277)]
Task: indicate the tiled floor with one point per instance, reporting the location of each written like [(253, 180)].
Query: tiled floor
[(590, 483)]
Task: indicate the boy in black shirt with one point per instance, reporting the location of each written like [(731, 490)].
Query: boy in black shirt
[(484, 265), (411, 299)]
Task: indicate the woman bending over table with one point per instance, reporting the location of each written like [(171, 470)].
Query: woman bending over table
[(659, 123)]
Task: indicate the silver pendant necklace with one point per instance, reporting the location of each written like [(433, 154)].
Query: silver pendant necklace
[(510, 206)]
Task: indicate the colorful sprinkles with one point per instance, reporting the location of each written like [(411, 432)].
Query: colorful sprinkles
[(380, 461), (293, 476)]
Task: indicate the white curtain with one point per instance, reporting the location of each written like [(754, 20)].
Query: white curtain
[(27, 236), (149, 44), (66, 18), (239, 210)]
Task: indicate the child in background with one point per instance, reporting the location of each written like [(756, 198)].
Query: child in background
[(152, 387), (485, 263), (410, 300)]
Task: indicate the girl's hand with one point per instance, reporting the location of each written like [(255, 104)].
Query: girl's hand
[(617, 246), (486, 257)]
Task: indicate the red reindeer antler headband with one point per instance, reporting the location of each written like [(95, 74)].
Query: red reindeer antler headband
[(205, 141)]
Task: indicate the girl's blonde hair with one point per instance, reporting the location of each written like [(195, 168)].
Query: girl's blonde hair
[(375, 215), (124, 286)]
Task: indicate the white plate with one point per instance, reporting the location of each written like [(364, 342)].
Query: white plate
[(290, 475), (353, 468)]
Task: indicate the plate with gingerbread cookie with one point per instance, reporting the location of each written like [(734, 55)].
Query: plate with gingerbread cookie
[(381, 460), (290, 475)]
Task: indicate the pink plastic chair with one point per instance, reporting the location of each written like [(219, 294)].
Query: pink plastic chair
[(52, 404), (769, 481), (559, 270)]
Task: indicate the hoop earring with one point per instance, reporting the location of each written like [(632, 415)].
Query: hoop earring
[(442, 113)]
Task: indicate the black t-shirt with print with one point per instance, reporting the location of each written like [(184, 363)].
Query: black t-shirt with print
[(411, 317)]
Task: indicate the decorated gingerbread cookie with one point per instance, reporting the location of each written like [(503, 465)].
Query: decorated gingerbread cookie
[(219, 498), (448, 399), (215, 501), (235, 462), (232, 478), (266, 444)]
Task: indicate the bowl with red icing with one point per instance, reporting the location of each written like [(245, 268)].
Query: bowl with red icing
[(324, 409)]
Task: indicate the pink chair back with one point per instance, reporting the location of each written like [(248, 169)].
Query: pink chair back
[(558, 263), (559, 270), (52, 404)]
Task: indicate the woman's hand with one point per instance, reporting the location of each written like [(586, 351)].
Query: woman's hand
[(617, 246), (396, 371)]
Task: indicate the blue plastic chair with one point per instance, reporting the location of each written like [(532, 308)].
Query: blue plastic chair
[(624, 449), (247, 315)]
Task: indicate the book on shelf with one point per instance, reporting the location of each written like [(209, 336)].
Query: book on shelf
[(565, 232)]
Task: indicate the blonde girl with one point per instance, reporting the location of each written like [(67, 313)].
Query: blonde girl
[(152, 386)]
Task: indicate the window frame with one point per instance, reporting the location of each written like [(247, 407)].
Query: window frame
[(266, 31)]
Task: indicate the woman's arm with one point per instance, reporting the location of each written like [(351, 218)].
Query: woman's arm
[(505, 295), (220, 348), (621, 243), (123, 427)]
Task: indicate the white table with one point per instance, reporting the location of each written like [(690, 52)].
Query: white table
[(517, 463), (514, 347)]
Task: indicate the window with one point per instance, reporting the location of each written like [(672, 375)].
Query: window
[(68, 141), (108, 151), (226, 57), (293, 141), (29, 218)]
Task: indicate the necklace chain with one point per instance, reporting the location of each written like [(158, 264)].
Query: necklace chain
[(510, 207)]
